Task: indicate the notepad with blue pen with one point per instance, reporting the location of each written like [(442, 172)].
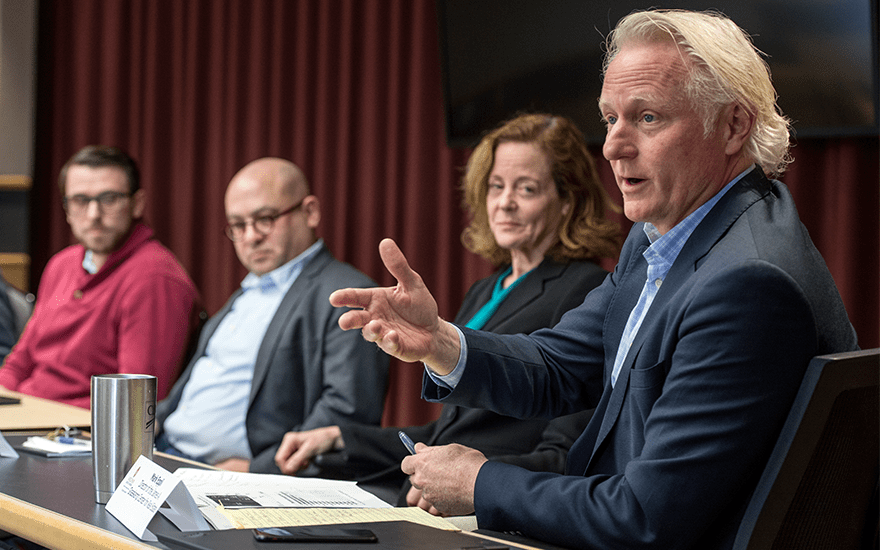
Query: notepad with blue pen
[(57, 447)]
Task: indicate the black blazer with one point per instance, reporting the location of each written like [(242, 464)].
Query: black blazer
[(551, 289), (309, 373)]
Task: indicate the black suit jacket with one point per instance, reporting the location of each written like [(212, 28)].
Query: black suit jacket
[(551, 289), (309, 373)]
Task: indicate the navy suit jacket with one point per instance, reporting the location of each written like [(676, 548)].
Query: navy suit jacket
[(675, 449), (539, 301), (309, 373)]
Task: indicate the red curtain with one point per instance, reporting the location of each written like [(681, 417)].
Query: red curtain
[(349, 90)]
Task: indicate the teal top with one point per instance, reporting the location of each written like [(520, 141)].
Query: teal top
[(486, 312)]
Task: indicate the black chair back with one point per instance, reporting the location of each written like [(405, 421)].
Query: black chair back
[(820, 486)]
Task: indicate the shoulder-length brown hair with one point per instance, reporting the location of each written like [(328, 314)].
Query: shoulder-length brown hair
[(584, 233)]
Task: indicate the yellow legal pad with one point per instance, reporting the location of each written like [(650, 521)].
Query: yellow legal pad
[(252, 518)]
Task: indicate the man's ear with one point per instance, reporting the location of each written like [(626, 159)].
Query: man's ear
[(312, 207), (138, 204), (738, 123)]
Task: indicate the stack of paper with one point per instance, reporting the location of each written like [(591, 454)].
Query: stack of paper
[(246, 490), (232, 500)]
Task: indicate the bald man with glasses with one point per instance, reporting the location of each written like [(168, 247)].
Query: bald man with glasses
[(116, 302), (273, 359)]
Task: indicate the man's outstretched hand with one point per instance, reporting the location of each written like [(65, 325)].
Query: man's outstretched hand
[(402, 320)]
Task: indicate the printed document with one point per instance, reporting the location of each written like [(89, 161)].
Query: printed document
[(246, 490)]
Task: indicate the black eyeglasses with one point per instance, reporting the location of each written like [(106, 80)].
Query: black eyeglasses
[(262, 224), (109, 202)]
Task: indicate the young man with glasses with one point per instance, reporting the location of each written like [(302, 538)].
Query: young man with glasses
[(116, 302), (273, 359)]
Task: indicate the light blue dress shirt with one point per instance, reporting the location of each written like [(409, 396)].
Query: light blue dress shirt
[(89, 262), (209, 421), (660, 255)]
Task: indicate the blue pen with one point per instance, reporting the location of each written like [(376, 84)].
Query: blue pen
[(410, 446)]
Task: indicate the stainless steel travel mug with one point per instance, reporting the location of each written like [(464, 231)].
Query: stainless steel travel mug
[(123, 418)]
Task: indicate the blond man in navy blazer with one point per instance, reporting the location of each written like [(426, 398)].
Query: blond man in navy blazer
[(692, 350)]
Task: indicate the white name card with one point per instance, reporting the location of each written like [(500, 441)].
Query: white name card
[(141, 494)]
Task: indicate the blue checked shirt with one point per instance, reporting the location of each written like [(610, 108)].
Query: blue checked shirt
[(660, 255)]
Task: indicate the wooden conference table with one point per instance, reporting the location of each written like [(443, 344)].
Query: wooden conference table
[(34, 414), (51, 501)]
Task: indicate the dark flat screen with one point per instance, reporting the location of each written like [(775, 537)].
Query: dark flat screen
[(501, 57)]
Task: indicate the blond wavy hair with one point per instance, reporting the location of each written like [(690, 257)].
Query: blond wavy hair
[(583, 233), (725, 68)]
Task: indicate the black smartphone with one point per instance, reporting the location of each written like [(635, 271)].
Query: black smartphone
[(318, 533)]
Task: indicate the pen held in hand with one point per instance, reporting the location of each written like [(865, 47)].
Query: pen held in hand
[(410, 446)]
